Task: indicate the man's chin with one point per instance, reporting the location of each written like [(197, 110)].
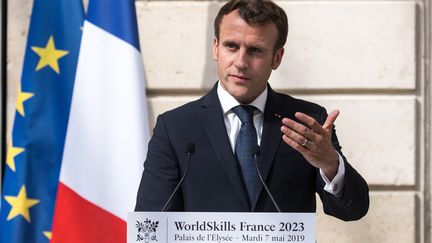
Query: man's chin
[(243, 97)]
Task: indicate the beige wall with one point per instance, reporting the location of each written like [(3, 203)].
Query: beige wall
[(367, 58)]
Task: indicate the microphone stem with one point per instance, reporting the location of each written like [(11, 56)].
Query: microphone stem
[(179, 184), (265, 186)]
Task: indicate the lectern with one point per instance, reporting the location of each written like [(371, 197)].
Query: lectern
[(192, 227)]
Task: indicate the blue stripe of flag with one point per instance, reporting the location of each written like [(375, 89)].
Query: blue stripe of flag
[(117, 17)]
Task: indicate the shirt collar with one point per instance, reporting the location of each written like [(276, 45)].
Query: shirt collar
[(228, 101)]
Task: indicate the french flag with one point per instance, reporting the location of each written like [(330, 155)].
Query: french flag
[(107, 134)]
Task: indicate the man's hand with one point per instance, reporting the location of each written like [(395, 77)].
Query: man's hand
[(313, 141)]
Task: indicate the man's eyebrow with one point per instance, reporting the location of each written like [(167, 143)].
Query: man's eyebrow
[(258, 46), (228, 42)]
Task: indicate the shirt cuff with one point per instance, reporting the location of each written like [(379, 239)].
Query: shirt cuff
[(335, 186)]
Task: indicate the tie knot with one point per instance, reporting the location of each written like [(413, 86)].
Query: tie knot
[(244, 112)]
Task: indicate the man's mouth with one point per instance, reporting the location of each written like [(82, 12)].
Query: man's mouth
[(239, 78)]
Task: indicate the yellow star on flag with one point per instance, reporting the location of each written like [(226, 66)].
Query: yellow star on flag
[(12, 152), (21, 98), (20, 204), (49, 55), (47, 234)]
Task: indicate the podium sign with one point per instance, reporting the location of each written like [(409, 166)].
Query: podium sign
[(191, 227)]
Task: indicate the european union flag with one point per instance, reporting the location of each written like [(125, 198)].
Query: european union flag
[(34, 153)]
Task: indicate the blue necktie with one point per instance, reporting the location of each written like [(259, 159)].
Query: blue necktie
[(246, 140)]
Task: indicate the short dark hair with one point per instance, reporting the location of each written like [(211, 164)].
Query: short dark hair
[(256, 12)]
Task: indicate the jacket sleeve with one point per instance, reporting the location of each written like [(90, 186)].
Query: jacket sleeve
[(354, 201), (161, 173)]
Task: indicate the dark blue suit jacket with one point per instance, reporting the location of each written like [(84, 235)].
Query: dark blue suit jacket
[(214, 182)]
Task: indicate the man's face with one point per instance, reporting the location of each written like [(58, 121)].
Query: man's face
[(245, 56)]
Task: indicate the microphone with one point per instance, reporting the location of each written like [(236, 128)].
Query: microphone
[(190, 148), (256, 151)]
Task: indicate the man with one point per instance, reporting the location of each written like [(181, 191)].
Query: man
[(299, 155)]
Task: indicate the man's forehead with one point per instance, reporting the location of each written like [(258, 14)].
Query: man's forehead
[(234, 16), (233, 29)]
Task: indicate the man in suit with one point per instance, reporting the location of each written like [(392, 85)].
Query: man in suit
[(299, 151)]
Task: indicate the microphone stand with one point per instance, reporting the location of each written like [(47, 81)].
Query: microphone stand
[(255, 152), (190, 148)]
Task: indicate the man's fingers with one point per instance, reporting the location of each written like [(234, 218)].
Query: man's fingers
[(311, 127), (299, 148), (299, 128), (298, 138), (309, 121), (331, 118)]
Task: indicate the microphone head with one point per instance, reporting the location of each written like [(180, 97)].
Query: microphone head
[(255, 150), (190, 148)]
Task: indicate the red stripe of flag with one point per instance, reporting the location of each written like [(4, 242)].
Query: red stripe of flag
[(78, 220)]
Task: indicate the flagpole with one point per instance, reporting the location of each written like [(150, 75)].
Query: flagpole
[(2, 90)]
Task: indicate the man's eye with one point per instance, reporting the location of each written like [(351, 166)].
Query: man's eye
[(231, 46), (255, 50)]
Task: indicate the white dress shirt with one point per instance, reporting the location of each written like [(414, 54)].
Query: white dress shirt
[(233, 124)]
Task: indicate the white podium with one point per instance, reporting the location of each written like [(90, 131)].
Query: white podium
[(191, 227)]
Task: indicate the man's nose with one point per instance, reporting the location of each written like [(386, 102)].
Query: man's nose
[(241, 61)]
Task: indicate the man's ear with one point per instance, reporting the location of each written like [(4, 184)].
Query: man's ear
[(277, 58), (215, 48)]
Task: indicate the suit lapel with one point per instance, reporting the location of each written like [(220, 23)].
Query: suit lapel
[(271, 138), (216, 132)]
